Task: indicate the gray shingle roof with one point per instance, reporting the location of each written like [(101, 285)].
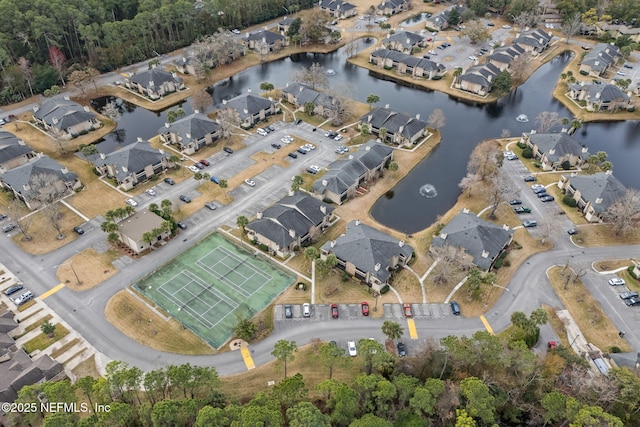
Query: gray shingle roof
[(11, 147), (557, 145), (535, 38), (605, 93), (365, 247), (406, 38), (67, 113), (475, 236), (392, 121), (197, 125), (133, 157), (299, 213), (247, 105), (20, 176), (598, 186), (268, 36), (156, 75)]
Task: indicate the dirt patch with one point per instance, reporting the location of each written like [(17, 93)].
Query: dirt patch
[(88, 267), (44, 238), (595, 235), (611, 264), (134, 319), (87, 368), (586, 311)]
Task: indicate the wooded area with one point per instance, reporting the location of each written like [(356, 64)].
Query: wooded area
[(462, 381), (43, 40)]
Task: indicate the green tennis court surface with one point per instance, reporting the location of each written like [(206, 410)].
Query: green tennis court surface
[(212, 284)]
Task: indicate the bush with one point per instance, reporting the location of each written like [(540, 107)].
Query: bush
[(566, 165), (498, 263), (436, 78), (263, 247), (344, 276), (537, 164), (615, 349), (569, 201), (584, 73), (630, 270), (522, 145), (527, 153), (384, 289), (386, 67), (507, 263)]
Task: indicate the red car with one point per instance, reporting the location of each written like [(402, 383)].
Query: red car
[(407, 310), (334, 311), (205, 162), (365, 308)]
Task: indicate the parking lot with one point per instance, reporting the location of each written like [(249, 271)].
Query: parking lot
[(322, 312)]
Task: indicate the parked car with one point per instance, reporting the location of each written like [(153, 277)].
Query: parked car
[(541, 194), (276, 146), (311, 171), (235, 31), (205, 162), (131, 202), (455, 308), (298, 121), (184, 198), (512, 157), (150, 191), (78, 230), (338, 138), (228, 150), (261, 131), (302, 150), (402, 349), (306, 309), (629, 294), (407, 310), (181, 225), (271, 128), (250, 182), (334, 311), (3, 216), (351, 346), (616, 281), (515, 202), (210, 205), (572, 231), (9, 227), (547, 198), (522, 209), (539, 190), (23, 298), (506, 27), (215, 180), (364, 307), (199, 165), (530, 224), (473, 58), (632, 301), (537, 186), (530, 178), (629, 66), (193, 169), (293, 155), (169, 181), (13, 289), (287, 311)]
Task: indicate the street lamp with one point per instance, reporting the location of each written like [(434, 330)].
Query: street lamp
[(70, 262), (375, 308)]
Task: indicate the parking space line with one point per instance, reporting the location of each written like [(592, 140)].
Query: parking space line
[(51, 291), (246, 356), (413, 333), (486, 324)]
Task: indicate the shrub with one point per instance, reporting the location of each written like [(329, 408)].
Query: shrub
[(263, 247), (436, 78), (569, 201), (615, 349), (386, 67), (498, 263), (566, 165), (95, 171), (527, 153), (384, 289), (630, 270), (537, 164), (522, 145), (507, 263), (344, 276), (584, 73)]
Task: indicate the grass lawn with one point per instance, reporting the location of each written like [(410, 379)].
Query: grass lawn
[(43, 235), (87, 368), (134, 319), (611, 264), (59, 352), (586, 311), (33, 325), (247, 384), (594, 235), (91, 268), (42, 341)]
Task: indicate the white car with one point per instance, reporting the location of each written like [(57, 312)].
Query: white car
[(261, 131), (433, 52), (473, 58), (508, 153), (338, 138), (194, 169), (616, 281), (285, 141), (310, 146), (315, 168), (250, 182), (351, 346), (620, 73), (506, 27), (235, 31), (537, 186), (131, 202), (151, 192)]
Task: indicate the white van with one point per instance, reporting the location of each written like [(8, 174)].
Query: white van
[(306, 309), (24, 297)]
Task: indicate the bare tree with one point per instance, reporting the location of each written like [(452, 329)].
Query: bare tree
[(572, 25), (476, 31), (437, 119), (201, 100), (351, 49), (111, 111), (602, 6), (519, 68), (55, 215), (547, 120), (501, 188), (19, 214), (545, 229), (450, 260), (485, 159), (25, 68), (341, 95), (469, 182), (314, 76), (624, 213), (525, 19), (227, 119)]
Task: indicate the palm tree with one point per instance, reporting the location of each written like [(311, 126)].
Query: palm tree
[(165, 227), (383, 134), (113, 238), (109, 227), (242, 222), (153, 207), (166, 208), (149, 237), (392, 330), (48, 328)]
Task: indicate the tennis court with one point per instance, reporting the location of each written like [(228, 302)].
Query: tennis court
[(212, 284)]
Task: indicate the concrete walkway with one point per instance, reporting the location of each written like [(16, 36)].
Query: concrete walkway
[(424, 295)]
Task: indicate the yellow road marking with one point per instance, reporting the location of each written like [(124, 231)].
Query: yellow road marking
[(248, 360), (413, 333), (52, 291), (487, 325)]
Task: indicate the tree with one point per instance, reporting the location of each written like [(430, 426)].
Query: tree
[(485, 160), (454, 17), (500, 189), (245, 329), (223, 183), (525, 18), (546, 120), (423, 402), (305, 414), (296, 183), (201, 100), (519, 68), (211, 417), (55, 215), (48, 328), (372, 99), (370, 420), (476, 31), (469, 182), (58, 62), (624, 213), (331, 355), (311, 253), (502, 83), (27, 75), (314, 76), (437, 119), (392, 330), (393, 166), (242, 222), (290, 390), (479, 401), (266, 87), (227, 119), (571, 25), (464, 420), (284, 351)]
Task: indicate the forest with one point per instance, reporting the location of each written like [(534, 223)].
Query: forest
[(482, 380), (43, 40)]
